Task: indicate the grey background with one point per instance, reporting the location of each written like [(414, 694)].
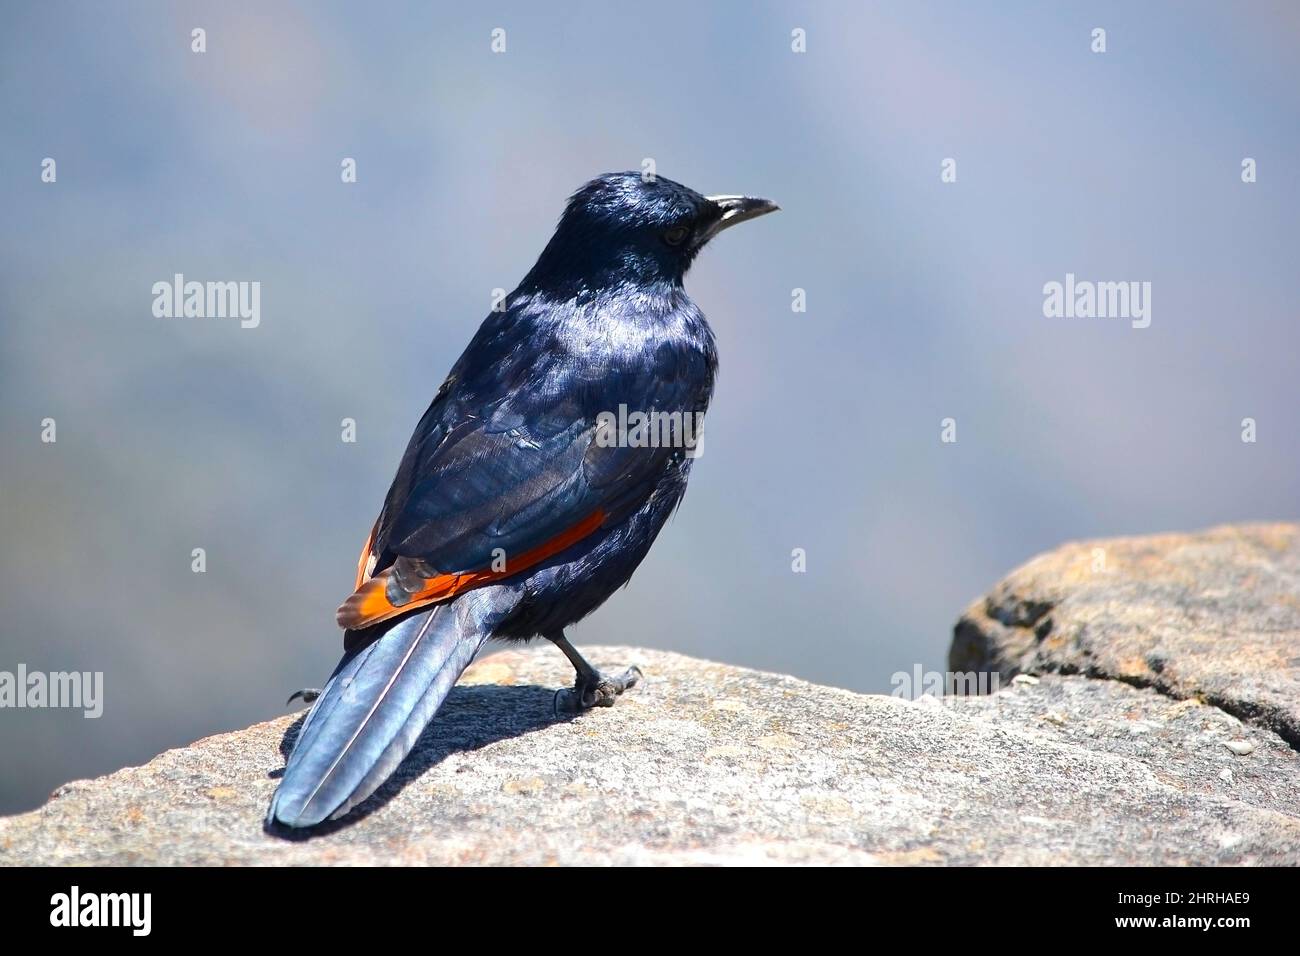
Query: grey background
[(924, 301)]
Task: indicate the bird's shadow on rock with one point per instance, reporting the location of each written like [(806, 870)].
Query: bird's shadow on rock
[(470, 718)]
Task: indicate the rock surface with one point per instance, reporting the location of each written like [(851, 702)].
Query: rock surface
[(1213, 616), (1182, 758)]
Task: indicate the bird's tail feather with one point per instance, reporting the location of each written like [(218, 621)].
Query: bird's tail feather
[(372, 711)]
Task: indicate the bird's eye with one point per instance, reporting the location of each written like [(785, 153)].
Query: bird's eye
[(676, 235)]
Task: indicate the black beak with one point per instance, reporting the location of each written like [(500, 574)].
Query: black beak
[(736, 209)]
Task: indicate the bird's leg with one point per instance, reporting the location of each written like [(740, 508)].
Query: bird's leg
[(307, 694), (590, 688)]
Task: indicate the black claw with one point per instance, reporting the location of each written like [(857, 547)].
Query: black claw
[(600, 691), (308, 695)]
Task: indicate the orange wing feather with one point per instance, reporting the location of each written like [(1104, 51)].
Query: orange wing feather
[(369, 603)]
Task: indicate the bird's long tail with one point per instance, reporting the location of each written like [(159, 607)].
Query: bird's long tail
[(372, 711)]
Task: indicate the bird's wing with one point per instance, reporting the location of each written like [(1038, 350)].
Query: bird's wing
[(482, 495)]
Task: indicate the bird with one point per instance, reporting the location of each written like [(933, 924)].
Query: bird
[(517, 509)]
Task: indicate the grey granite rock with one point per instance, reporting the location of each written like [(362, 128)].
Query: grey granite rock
[(711, 764), (1213, 616)]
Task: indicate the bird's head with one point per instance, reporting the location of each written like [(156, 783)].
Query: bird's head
[(622, 227)]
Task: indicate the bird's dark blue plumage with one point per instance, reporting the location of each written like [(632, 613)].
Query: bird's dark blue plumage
[(507, 465)]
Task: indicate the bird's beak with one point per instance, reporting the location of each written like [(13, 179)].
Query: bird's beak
[(737, 209)]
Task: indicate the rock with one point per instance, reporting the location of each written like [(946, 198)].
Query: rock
[(1148, 714), (1184, 745), (710, 764), (1213, 616)]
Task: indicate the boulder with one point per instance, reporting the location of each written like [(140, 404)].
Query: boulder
[(1146, 714), (1213, 616)]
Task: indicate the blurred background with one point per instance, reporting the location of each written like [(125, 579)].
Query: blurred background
[(924, 302)]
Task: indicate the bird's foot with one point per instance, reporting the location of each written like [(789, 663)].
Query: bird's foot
[(307, 695), (597, 690)]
